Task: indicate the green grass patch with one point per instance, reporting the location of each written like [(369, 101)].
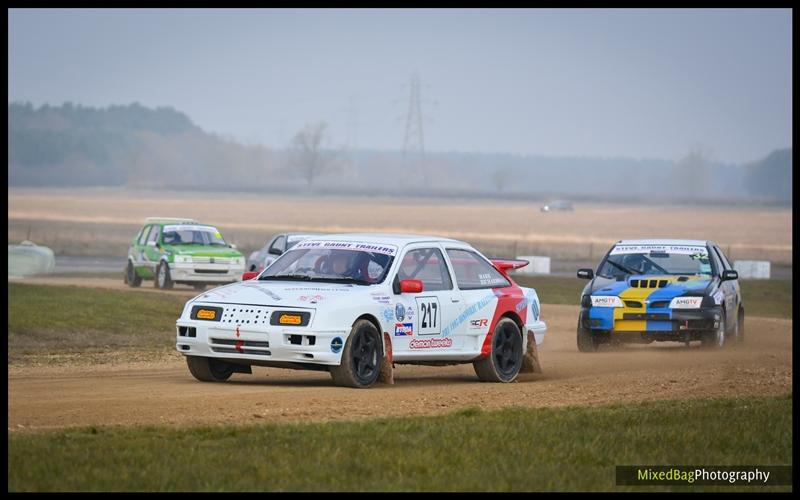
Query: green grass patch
[(554, 289), (514, 449), (760, 297), (43, 318), (767, 298)]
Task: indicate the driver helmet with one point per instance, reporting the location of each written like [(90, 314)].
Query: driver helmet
[(635, 262)]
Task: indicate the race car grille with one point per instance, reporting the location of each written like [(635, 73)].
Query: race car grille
[(231, 350), (245, 343), (230, 346), (207, 260), (211, 271), (648, 283), (647, 316), (633, 303), (245, 315), (659, 304)]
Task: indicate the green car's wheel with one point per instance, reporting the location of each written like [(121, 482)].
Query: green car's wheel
[(132, 279), (163, 278)]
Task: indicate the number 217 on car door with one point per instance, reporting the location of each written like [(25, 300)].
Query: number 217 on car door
[(429, 315)]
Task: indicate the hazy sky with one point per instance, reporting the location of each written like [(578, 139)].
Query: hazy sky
[(634, 83)]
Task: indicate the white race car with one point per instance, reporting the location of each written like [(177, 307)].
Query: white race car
[(356, 304)]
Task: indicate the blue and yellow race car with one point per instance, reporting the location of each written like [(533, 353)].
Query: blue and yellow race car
[(661, 290)]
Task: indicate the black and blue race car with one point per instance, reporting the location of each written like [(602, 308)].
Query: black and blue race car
[(661, 290)]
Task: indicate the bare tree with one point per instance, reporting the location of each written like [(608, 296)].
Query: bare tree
[(501, 177), (307, 156), (691, 176)]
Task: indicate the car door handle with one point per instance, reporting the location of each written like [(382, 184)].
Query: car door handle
[(454, 300)]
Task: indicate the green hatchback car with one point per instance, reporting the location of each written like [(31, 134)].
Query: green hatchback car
[(170, 251)]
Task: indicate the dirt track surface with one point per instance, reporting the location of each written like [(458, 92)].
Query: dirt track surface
[(163, 392)]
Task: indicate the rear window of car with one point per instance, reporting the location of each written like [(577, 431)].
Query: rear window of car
[(473, 272)]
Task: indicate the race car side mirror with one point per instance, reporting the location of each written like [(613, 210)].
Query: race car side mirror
[(730, 274), (585, 274), (411, 286)]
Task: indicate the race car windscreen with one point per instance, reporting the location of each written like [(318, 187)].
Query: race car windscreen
[(294, 240), (193, 235), (332, 263), (625, 260)]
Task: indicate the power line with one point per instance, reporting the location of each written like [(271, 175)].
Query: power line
[(414, 141), (352, 124)]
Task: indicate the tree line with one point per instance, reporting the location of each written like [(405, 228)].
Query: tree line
[(137, 146)]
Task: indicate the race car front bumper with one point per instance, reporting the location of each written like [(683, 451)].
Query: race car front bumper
[(265, 345), (206, 273), (667, 321)]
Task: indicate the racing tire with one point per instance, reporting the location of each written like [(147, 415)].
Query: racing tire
[(505, 358), (209, 369), (131, 278), (738, 333), (361, 357), (163, 279), (587, 342), (715, 339)]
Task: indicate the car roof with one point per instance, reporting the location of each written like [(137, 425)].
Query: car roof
[(294, 235), (169, 220), (700, 243), (386, 238)]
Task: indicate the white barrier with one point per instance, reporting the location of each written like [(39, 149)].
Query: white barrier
[(538, 265), (28, 258), (752, 269)]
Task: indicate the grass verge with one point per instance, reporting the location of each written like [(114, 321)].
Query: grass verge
[(47, 319), (767, 298), (515, 449)]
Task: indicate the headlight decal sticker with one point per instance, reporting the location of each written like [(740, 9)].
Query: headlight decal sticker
[(206, 313)]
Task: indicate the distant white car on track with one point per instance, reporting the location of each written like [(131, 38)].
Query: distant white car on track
[(356, 304)]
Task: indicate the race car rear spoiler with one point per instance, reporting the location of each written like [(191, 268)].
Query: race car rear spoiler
[(505, 265)]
